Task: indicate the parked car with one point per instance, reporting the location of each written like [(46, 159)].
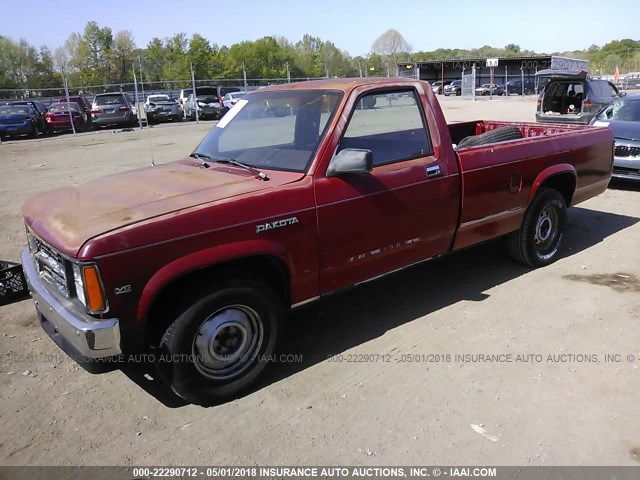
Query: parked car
[(489, 89), (516, 86), (231, 98), (58, 117), (623, 116), (454, 88), (81, 100), (437, 87), (207, 105), (40, 109), (162, 108), (199, 260), (571, 97), (113, 109), (222, 91), (18, 120), (183, 96)]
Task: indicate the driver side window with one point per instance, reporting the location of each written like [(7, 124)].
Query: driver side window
[(390, 125)]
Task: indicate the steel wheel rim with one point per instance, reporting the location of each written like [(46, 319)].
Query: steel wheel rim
[(546, 229), (228, 342)]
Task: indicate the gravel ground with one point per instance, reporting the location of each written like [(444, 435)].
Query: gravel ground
[(558, 401)]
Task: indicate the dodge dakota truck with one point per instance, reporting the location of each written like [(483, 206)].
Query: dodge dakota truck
[(300, 191)]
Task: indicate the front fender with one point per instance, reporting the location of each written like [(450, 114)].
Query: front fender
[(203, 259), (548, 173)]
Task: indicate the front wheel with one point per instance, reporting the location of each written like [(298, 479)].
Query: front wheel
[(538, 241), (218, 346)]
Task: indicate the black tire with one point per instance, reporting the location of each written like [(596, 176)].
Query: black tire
[(206, 334), (149, 118), (502, 134), (538, 241), (35, 131)]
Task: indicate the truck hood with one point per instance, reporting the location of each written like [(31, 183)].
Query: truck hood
[(68, 217)]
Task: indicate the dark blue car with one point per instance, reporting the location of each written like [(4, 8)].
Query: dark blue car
[(18, 120)]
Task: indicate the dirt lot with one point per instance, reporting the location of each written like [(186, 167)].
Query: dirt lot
[(567, 406)]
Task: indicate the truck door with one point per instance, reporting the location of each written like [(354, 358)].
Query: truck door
[(395, 215)]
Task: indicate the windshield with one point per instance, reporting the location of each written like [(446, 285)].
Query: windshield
[(625, 110), (14, 110), (278, 130), (62, 107), (159, 98), (109, 99)]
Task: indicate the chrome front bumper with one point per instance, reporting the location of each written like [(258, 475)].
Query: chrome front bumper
[(74, 331)]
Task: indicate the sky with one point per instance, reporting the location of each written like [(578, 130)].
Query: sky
[(544, 26)]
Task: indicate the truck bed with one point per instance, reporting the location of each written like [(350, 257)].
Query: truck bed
[(499, 179)]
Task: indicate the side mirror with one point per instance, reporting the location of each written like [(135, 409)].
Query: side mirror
[(350, 160), (622, 94)]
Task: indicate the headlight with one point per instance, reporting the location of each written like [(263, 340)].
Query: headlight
[(89, 287), (202, 104)]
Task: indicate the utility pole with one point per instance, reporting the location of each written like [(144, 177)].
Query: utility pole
[(137, 104), (195, 98), (244, 76), (141, 81), (66, 92)]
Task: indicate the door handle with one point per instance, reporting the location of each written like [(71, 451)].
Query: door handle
[(433, 171)]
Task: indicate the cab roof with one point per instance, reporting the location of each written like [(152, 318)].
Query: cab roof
[(342, 84)]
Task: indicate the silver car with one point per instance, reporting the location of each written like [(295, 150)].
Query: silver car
[(113, 109), (623, 117), (207, 106), (162, 107)]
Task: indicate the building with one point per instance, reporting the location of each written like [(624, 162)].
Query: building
[(509, 68)]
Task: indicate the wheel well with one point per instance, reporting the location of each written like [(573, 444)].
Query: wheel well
[(271, 270), (565, 183)]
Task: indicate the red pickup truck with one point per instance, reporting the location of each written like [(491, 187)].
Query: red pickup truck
[(301, 190)]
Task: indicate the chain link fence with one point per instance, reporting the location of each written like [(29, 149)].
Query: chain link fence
[(169, 87)]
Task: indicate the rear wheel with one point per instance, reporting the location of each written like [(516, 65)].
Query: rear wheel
[(35, 131), (219, 345), (538, 241)]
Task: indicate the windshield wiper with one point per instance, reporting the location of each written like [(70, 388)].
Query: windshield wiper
[(203, 157), (261, 175)]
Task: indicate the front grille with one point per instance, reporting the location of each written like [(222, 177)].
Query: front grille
[(51, 265), (626, 171), (627, 151)]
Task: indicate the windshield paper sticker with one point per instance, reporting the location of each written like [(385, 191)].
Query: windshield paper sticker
[(232, 113)]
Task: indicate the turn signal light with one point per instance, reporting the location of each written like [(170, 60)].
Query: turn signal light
[(93, 289)]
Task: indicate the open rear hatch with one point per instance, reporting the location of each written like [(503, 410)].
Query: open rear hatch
[(563, 93), (576, 75)]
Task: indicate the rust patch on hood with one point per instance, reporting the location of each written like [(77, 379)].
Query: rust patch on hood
[(69, 216)]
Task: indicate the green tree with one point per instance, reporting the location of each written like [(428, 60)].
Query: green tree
[(512, 49), (391, 45), (177, 66), (200, 56), (122, 57), (154, 60)]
